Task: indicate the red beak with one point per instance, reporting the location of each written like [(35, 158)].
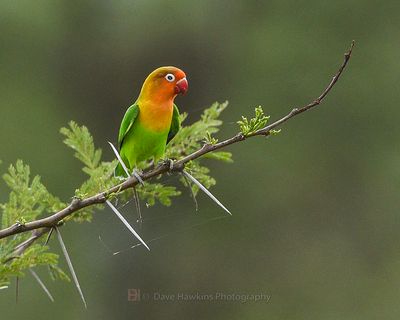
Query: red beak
[(181, 86)]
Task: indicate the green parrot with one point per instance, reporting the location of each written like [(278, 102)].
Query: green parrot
[(153, 120)]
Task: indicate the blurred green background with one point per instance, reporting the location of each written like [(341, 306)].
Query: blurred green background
[(315, 210)]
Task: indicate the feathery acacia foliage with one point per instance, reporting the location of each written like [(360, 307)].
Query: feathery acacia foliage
[(29, 199)]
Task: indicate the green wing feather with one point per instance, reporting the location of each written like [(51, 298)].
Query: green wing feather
[(175, 124), (127, 122), (126, 125)]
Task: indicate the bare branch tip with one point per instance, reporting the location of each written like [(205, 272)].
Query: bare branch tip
[(348, 53)]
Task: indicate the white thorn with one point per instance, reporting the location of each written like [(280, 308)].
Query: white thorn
[(42, 285), (119, 159), (205, 190), (126, 223), (70, 266)]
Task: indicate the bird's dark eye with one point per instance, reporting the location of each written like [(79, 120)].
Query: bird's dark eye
[(170, 77)]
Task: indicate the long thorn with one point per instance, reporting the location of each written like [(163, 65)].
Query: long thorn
[(191, 192), (119, 159), (70, 266), (42, 285), (126, 223), (48, 236), (135, 194), (137, 204), (205, 190)]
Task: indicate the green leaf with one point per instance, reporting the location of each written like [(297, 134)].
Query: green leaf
[(210, 139), (220, 156), (248, 127), (79, 139), (28, 198)]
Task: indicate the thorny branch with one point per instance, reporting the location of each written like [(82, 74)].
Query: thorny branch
[(41, 226)]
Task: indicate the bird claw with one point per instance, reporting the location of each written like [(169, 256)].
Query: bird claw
[(136, 174)]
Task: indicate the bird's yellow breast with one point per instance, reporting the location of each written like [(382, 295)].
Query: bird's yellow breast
[(156, 116)]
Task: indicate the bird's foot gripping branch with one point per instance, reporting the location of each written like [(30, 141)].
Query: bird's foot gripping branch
[(32, 211)]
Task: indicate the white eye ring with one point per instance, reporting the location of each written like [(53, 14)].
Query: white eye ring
[(170, 77)]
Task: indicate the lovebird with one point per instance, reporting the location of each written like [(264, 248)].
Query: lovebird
[(153, 120)]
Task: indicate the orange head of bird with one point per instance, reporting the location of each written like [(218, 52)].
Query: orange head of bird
[(164, 83)]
